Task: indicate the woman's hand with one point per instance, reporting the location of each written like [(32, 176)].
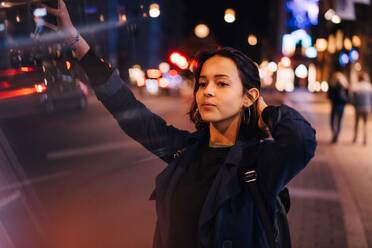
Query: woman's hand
[(67, 29), (261, 105)]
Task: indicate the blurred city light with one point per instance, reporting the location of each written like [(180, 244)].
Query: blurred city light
[(164, 67), (273, 67), (288, 45), (137, 75), (311, 78), (179, 60), (348, 44), (229, 15), (285, 79), (331, 44), (163, 83), (302, 36), (122, 19), (301, 71), (311, 52), (336, 19), (357, 42), (153, 73), (68, 65), (339, 40), (252, 40), (354, 55), (152, 86), (324, 86), (313, 12), (154, 10), (40, 88), (321, 44), (6, 4), (102, 18), (201, 31), (343, 59), (285, 61), (329, 14), (18, 19)]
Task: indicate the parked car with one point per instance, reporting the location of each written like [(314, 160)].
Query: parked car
[(30, 85)]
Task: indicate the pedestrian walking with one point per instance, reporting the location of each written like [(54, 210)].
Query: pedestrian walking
[(338, 96), (201, 199), (362, 101)]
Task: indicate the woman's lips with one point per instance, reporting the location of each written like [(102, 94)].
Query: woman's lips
[(208, 106)]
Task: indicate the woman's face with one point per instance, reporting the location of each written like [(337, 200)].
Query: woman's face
[(220, 94)]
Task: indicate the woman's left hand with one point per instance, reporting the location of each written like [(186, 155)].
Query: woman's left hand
[(261, 105)]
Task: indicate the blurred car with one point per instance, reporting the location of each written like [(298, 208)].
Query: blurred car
[(28, 86)]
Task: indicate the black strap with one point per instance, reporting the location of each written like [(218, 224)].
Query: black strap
[(251, 185)]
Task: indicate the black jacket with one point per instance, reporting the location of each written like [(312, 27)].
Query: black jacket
[(278, 161)]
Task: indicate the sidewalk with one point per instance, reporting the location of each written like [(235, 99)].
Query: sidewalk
[(331, 197)]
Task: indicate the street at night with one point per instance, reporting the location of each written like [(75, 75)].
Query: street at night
[(73, 175)]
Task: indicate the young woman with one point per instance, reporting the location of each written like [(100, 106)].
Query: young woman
[(200, 199)]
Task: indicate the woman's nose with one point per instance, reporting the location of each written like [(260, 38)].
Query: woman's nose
[(209, 91)]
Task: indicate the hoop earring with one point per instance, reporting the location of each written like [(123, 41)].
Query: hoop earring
[(246, 119)]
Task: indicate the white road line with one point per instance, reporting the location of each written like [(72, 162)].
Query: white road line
[(87, 150), (313, 194)]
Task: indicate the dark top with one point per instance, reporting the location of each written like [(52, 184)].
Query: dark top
[(190, 193)]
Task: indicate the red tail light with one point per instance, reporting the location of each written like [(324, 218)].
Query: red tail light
[(13, 72), (37, 89), (4, 85), (28, 69)]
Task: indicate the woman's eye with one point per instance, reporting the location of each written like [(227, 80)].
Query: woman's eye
[(202, 84), (222, 84)]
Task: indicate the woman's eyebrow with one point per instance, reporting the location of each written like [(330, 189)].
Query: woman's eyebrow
[(221, 75), (217, 75)]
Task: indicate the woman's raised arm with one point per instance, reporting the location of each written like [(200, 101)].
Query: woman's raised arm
[(134, 118)]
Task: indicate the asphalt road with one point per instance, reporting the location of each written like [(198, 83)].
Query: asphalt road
[(90, 182)]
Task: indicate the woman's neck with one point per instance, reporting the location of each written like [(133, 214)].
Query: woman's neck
[(224, 133)]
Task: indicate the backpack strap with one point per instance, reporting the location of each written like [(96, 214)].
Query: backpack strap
[(250, 182)]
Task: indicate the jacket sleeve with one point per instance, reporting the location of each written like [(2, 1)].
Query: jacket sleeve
[(135, 119), (291, 149)]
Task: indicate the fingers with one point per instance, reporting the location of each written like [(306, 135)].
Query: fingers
[(52, 11)]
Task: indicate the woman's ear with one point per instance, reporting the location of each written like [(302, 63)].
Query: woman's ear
[(250, 97)]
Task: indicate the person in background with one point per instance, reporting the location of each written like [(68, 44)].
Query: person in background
[(338, 95), (362, 101)]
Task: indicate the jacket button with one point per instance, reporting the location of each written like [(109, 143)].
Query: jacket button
[(227, 244)]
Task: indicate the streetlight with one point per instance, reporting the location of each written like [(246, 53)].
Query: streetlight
[(201, 31), (229, 15), (154, 10), (252, 40)]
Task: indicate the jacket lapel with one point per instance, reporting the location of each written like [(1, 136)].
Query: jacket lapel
[(225, 186)]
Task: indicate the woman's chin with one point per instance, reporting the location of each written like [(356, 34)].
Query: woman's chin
[(210, 118)]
